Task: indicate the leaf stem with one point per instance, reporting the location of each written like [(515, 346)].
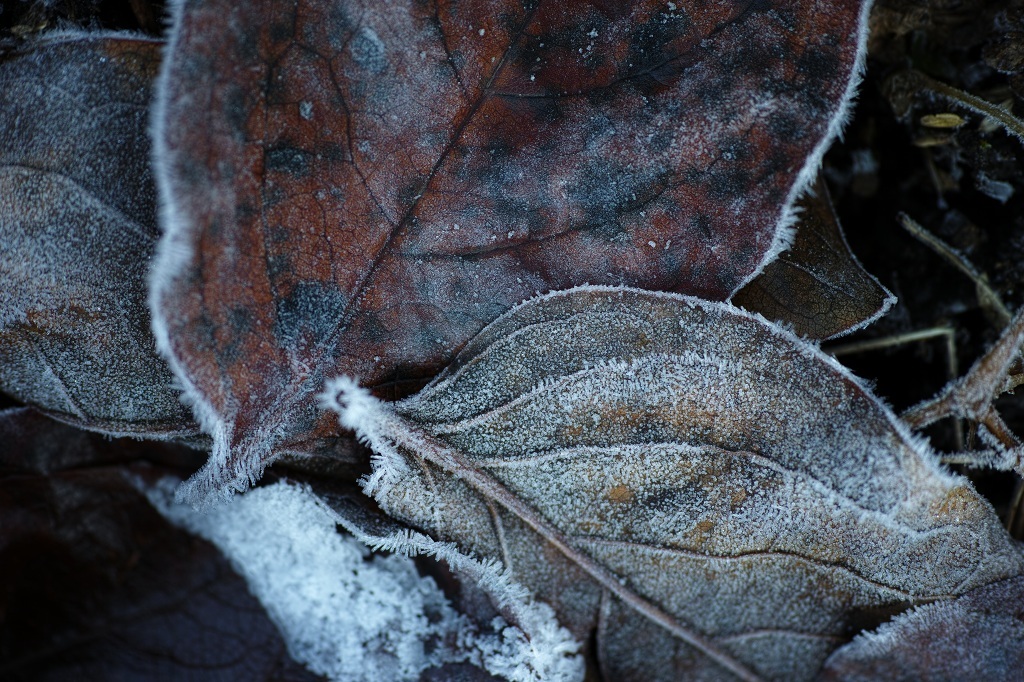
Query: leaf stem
[(987, 296), (971, 396), (490, 488), (889, 341)]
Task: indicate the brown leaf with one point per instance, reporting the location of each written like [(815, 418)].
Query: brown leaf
[(701, 489), (77, 229), (97, 586), (359, 187), (979, 636), (818, 286)]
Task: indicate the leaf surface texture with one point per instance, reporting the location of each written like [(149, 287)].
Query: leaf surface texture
[(360, 187), (77, 230), (705, 461)]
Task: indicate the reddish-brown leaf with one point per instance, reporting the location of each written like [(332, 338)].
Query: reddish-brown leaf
[(77, 229), (359, 187)]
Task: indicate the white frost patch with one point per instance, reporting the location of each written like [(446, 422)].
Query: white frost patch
[(351, 616), (360, 412), (540, 649)]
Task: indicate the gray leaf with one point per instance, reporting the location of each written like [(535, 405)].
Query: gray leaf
[(77, 230), (699, 487)]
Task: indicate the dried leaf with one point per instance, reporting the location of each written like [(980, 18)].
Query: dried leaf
[(359, 187), (693, 487), (77, 229), (97, 586), (979, 636), (818, 286)]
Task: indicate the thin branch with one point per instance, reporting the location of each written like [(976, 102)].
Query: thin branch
[(999, 430), (971, 396), (889, 341), (1010, 123), (987, 296)]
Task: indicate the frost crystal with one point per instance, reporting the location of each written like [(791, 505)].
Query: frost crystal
[(351, 616)]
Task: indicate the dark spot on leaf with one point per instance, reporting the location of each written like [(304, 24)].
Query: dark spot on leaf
[(273, 195), (281, 32), (816, 63), (337, 25), (290, 160), (334, 152), (785, 126), (701, 224), (279, 266), (647, 44), (605, 191), (245, 211), (409, 194), (241, 320), (311, 309), (204, 331), (728, 182)]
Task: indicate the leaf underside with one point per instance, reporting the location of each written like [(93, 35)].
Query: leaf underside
[(817, 286), (712, 464), (77, 230), (359, 187)]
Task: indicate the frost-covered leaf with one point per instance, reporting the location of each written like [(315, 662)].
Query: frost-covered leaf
[(979, 636), (77, 230), (347, 615), (818, 286), (358, 187), (689, 486), (97, 586)]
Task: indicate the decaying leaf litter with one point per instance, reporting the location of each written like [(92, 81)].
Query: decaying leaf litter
[(615, 626), (78, 230)]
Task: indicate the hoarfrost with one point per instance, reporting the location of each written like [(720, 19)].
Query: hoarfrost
[(351, 616), (977, 636)]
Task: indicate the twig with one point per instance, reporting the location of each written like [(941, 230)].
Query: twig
[(987, 296), (1010, 123), (1001, 460), (890, 341), (952, 368), (971, 396)]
